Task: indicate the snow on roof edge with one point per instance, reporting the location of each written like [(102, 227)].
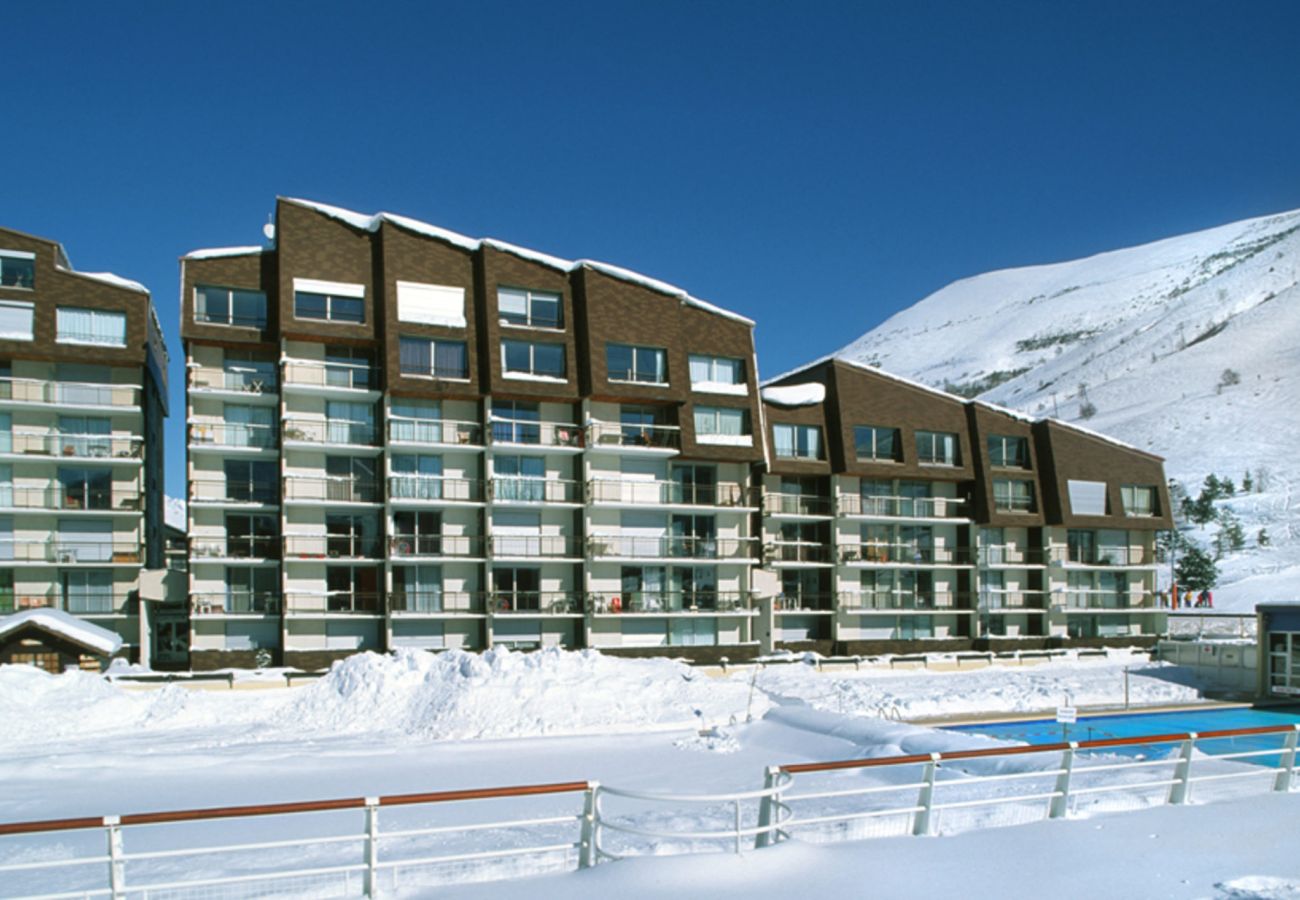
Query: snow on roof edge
[(219, 252), (110, 279), (66, 625), (806, 394), (372, 223)]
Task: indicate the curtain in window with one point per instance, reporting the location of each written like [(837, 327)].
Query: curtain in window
[(416, 356), (450, 359), (6, 485), (784, 438), (6, 537), (814, 442), (16, 321), (88, 591), (700, 369), (705, 420), (74, 324), (731, 422), (6, 433), (84, 540)]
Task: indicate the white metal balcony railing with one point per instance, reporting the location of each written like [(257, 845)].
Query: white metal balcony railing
[(798, 552), (808, 601), (869, 552), (235, 546), (225, 490), (668, 493), (332, 375), (80, 602), (1014, 504), (233, 435), (894, 507), (333, 546), (505, 603), (700, 601), (342, 602), (1005, 598), (205, 378), (328, 431), (330, 489), (430, 601), (1103, 556), (543, 434), (55, 550), (450, 546), (776, 503), (434, 488), (74, 446), (1011, 555), (520, 489), (535, 546), (905, 601), (235, 603), (435, 431), (1093, 600), (670, 547), (69, 393), (63, 498), (648, 437)]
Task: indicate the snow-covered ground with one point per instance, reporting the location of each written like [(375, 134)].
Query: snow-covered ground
[(1145, 335), (76, 745)]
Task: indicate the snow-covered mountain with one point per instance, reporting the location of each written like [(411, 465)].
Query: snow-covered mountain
[(1188, 347), (174, 512)]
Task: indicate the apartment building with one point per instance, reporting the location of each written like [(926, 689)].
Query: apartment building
[(897, 513), (400, 436), (82, 400)]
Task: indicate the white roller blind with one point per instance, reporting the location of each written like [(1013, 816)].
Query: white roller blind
[(16, 321), (329, 288), (1087, 498), (431, 304)]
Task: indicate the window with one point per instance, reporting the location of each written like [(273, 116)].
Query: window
[(417, 588), (91, 326), (720, 374), (252, 481), (1013, 496), (329, 300), (347, 367), (938, 448), (416, 477), (15, 321), (245, 371), (1087, 498), (427, 358), (798, 441), (349, 423), (85, 488), (251, 536), (1139, 499), (1008, 452), (719, 424), (351, 479), (229, 306), (87, 591), (531, 359), (521, 478), (644, 365), (431, 304), (17, 269), (539, 309), (351, 535), (516, 422), (876, 443)]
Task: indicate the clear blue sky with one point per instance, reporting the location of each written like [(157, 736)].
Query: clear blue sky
[(816, 166)]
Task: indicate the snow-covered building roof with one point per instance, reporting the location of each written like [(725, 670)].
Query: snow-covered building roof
[(69, 627), (220, 252), (364, 222), (795, 394)]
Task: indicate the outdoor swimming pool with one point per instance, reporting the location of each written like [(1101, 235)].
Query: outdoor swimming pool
[(1093, 728)]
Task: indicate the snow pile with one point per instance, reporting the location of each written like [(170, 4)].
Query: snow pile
[(39, 708), (500, 693), (919, 694), (1185, 347)]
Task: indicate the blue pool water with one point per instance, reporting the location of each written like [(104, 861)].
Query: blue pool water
[(1092, 728)]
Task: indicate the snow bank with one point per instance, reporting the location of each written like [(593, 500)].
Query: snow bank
[(499, 693)]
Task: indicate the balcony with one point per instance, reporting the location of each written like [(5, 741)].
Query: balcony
[(889, 601), (68, 394), (225, 436), (64, 552), (536, 603), (299, 430), (329, 489), (248, 387), (626, 492), (1095, 600), (300, 603), (235, 546), (514, 489), (661, 602), (436, 546), (550, 435), (634, 439), (801, 506), (798, 553), (333, 546), (436, 602), (535, 546), (433, 490), (104, 447), (318, 377), (79, 602), (615, 546), (873, 553), (71, 498), (804, 602), (997, 600), (888, 507), (1011, 556), (217, 491), (1103, 557), (435, 432), (235, 603)]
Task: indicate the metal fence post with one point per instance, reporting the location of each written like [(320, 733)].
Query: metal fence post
[(737, 805), (587, 856), (1181, 788), (1060, 805), (921, 821), (767, 809), (1286, 765), (371, 887), (116, 863)]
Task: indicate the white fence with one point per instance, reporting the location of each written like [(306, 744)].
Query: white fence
[(338, 848)]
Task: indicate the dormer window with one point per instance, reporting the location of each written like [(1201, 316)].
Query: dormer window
[(641, 365), (537, 309), (229, 306), (17, 269), (1007, 452)]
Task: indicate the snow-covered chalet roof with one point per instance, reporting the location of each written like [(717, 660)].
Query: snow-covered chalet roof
[(56, 621), (364, 222)]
